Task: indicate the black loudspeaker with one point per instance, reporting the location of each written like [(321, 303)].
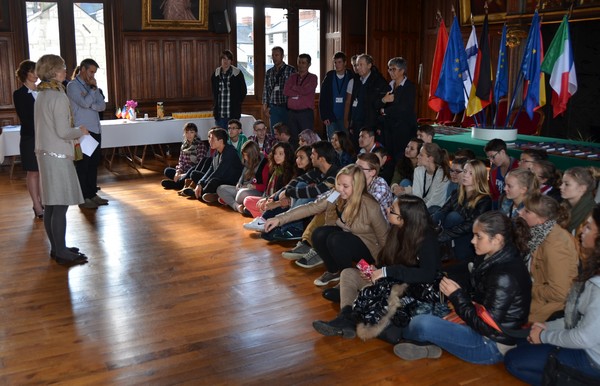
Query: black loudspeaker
[(220, 22)]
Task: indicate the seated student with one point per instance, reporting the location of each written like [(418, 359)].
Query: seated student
[(456, 170), (282, 133), (225, 168), (405, 168), (306, 188), (574, 340), (376, 187), (518, 185), (252, 182), (307, 138), (236, 137), (386, 165), (426, 133), (432, 176), (280, 173), (552, 259), (501, 284), (576, 190), (263, 139), (354, 226), (548, 178), (193, 149), (410, 254), (529, 156), (366, 140), (343, 147), (500, 163), (458, 214)]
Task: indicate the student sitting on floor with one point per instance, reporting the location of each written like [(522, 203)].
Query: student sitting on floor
[(518, 185), (193, 149)]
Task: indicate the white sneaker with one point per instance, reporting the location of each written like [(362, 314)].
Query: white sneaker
[(258, 225)]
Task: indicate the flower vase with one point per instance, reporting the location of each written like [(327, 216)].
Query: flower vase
[(132, 116)]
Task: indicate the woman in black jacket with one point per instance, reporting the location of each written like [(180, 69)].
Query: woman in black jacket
[(500, 300), (465, 204)]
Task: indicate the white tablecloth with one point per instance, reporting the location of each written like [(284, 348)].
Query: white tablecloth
[(9, 141), (119, 132)]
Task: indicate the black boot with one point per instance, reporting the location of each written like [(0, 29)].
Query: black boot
[(343, 325)]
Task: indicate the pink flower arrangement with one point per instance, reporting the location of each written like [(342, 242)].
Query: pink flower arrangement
[(131, 104)]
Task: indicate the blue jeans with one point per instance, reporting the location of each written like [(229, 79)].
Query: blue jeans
[(335, 126), (527, 362), (458, 339), (463, 249), (405, 183), (222, 122), (278, 114)]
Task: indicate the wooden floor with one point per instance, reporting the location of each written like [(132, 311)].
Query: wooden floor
[(176, 292)]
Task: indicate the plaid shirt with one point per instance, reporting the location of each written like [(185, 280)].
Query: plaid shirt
[(225, 94), (267, 145), (191, 153), (276, 79), (381, 192)]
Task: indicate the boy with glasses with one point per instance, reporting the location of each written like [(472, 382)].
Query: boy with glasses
[(500, 164)]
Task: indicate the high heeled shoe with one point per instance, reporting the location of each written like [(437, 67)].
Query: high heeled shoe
[(38, 215)]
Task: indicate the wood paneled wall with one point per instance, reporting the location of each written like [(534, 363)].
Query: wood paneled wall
[(7, 79)]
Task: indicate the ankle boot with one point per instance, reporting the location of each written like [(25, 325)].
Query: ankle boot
[(343, 325)]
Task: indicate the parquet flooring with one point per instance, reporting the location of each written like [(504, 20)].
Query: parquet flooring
[(176, 292)]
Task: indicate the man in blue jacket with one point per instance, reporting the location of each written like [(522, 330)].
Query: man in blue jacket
[(333, 95)]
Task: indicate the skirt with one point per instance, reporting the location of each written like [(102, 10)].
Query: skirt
[(60, 185), (28, 158)]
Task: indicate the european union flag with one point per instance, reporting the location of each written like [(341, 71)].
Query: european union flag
[(501, 87), (531, 67), (450, 86)]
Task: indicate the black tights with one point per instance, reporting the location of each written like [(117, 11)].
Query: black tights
[(55, 222), (339, 249)]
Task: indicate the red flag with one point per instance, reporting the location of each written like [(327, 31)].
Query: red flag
[(436, 103)]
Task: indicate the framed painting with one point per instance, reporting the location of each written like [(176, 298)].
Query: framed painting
[(174, 14), (496, 11)]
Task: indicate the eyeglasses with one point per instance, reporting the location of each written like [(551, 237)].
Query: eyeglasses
[(366, 169), (455, 171), (393, 69), (491, 158)]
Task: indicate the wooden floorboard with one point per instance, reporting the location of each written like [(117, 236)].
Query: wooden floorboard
[(176, 293)]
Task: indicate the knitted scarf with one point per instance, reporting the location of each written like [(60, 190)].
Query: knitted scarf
[(55, 85), (579, 213), (538, 235), (273, 180)]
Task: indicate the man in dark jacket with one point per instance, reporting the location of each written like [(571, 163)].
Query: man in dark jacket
[(368, 88), (225, 168), (333, 95), (228, 89)]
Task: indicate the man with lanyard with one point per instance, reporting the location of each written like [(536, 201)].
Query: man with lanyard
[(300, 91), (366, 90), (333, 92), (86, 102), (274, 102), (228, 89)]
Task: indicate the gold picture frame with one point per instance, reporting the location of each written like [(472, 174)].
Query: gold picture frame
[(496, 13), (174, 14)]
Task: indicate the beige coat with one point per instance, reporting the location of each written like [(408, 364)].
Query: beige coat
[(553, 267), (369, 225)]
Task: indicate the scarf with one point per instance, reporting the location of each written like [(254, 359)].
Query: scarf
[(538, 235), (55, 85), (273, 180), (580, 212)]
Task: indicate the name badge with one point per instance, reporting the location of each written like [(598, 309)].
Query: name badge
[(276, 88), (339, 100), (355, 103), (333, 196), (296, 97)]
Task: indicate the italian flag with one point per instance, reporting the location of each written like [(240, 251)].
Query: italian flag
[(559, 64)]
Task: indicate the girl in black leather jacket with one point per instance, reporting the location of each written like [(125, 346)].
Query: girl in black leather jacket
[(501, 291)]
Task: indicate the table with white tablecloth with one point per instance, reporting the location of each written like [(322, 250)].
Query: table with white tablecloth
[(9, 144)]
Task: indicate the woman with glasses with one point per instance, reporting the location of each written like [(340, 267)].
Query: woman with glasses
[(397, 109), (410, 254), (469, 201), (456, 170)]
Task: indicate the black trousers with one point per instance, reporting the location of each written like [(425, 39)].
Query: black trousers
[(339, 249), (87, 170)]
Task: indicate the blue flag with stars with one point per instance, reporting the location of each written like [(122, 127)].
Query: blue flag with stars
[(501, 87), (450, 86), (531, 68)]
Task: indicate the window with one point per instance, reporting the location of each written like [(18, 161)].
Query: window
[(245, 45), (44, 33), (310, 38), (276, 26)]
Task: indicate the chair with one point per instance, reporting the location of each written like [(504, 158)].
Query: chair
[(443, 117), (527, 126)]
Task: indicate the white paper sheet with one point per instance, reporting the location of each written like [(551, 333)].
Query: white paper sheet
[(88, 144)]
